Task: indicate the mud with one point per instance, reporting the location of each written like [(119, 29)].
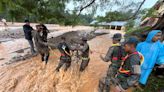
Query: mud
[(12, 33), (70, 36), (31, 76)]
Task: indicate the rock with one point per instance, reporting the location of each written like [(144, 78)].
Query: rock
[(2, 58), (20, 51)]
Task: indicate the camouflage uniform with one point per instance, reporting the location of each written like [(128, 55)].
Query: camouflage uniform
[(41, 45), (85, 55), (45, 32), (114, 54), (64, 58), (130, 78)]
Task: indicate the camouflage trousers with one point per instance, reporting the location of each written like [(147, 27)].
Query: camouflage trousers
[(84, 64), (104, 83)]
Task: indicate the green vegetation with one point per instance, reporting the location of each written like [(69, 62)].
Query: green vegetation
[(115, 16), (149, 13), (155, 84), (137, 30), (130, 24), (130, 30), (46, 11), (55, 11)]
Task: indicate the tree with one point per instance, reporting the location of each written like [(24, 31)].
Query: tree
[(104, 3), (115, 16), (130, 24), (54, 11)]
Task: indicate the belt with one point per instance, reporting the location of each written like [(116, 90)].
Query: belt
[(85, 58), (62, 54), (114, 58)]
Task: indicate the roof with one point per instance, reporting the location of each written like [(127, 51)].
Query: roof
[(113, 23), (118, 23), (93, 22), (103, 23)]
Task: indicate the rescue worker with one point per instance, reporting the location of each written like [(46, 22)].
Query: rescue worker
[(28, 35), (41, 44), (84, 48), (129, 72), (45, 32), (65, 57), (114, 54), (75, 52)]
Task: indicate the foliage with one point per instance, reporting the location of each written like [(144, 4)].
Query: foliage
[(154, 84), (130, 24), (54, 11), (118, 15), (144, 14), (137, 30), (46, 11), (115, 16), (149, 13)]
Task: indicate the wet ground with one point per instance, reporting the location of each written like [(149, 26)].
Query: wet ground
[(30, 76), (16, 48)]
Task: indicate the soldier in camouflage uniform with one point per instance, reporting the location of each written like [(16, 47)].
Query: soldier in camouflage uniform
[(41, 43), (129, 71), (65, 58), (114, 54), (85, 54)]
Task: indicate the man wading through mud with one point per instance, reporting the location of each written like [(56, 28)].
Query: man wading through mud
[(84, 48), (41, 44), (114, 54), (28, 35), (65, 57), (45, 32)]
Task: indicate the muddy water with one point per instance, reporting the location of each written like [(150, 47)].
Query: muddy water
[(7, 49), (31, 76), (17, 48)]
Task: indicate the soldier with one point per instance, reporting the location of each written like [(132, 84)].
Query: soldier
[(129, 72), (85, 54), (114, 54), (41, 44), (65, 57), (75, 52), (45, 32)]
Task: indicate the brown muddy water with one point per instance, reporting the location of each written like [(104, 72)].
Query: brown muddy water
[(31, 76)]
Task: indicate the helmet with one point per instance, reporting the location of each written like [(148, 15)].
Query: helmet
[(117, 36), (132, 40)]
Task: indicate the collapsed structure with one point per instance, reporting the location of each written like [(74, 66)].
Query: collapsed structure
[(156, 21)]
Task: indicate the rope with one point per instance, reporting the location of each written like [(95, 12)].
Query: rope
[(98, 52), (53, 52)]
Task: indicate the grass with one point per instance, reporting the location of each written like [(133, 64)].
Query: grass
[(154, 84)]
